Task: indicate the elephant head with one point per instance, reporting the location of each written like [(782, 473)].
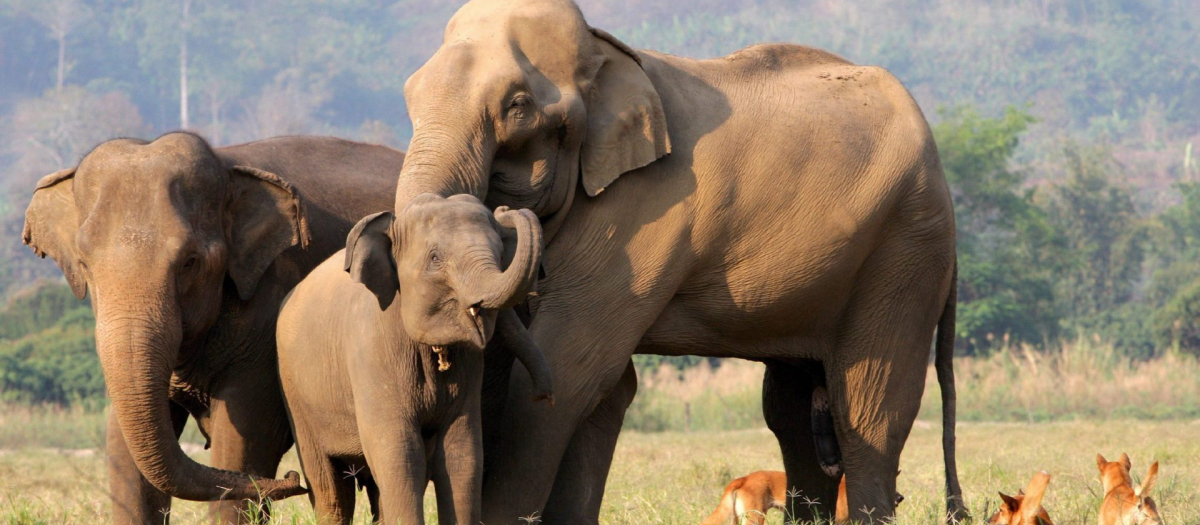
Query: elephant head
[(152, 230), (521, 102), (446, 258)]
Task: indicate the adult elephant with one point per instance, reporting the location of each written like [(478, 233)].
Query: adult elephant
[(187, 252), (779, 204)]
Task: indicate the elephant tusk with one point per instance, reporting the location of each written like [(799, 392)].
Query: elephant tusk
[(474, 311), (443, 364)]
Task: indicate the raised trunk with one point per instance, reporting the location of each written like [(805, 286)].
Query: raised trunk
[(506, 289), (137, 352)]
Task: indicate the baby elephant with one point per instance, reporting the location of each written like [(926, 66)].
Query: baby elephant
[(383, 382)]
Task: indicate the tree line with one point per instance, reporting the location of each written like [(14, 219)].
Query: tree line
[(1066, 128)]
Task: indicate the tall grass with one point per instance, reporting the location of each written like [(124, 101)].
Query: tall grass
[(1081, 379), (728, 397)]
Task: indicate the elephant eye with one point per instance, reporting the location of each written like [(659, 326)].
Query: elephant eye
[(435, 260), (517, 106), (190, 262)]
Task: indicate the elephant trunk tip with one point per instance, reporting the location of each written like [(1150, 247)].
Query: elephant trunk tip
[(274, 489)]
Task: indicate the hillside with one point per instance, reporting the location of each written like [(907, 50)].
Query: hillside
[(1065, 126)]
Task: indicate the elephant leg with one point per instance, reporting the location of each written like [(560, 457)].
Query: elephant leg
[(787, 408), (588, 328), (331, 489), (250, 433), (579, 486), (134, 500), (396, 453), (877, 373), (521, 473), (457, 469)]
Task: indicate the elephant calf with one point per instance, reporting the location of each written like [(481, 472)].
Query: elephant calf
[(388, 392)]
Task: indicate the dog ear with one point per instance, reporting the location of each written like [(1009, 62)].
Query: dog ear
[(1148, 483), (1009, 502), (1033, 496), (1100, 461), (1125, 462)]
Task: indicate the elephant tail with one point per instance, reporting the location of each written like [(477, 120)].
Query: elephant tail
[(956, 510)]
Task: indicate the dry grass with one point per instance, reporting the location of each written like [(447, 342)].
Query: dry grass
[(676, 478), (1056, 410), (1080, 380)]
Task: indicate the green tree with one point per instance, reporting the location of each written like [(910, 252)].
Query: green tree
[(48, 348), (1005, 274), (1103, 249), (1174, 291)]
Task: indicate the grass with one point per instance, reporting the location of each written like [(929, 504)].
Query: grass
[(676, 478), (1079, 380), (1020, 412)]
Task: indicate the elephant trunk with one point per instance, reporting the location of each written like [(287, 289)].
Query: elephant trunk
[(137, 353), (518, 340), (444, 162), (506, 289)]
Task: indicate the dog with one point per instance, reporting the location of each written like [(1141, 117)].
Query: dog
[(1125, 504), (1026, 507), (750, 498)]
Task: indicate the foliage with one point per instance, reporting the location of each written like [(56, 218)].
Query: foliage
[(1054, 241), (1005, 277), (48, 349)]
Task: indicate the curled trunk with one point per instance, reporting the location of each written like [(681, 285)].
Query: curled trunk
[(506, 289), (137, 352)]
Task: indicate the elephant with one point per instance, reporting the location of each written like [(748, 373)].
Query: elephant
[(364, 398), (779, 204), (187, 252)]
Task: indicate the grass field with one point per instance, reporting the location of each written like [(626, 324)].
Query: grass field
[(1045, 411), (676, 478)]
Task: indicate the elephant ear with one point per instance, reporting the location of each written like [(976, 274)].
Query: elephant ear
[(626, 125), (266, 217), (369, 257), (51, 222)]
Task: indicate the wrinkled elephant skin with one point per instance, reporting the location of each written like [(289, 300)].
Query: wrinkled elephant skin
[(383, 376), (778, 204), (187, 252)]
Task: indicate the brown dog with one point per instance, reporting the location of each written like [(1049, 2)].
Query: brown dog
[(1125, 504), (1026, 507), (750, 498)]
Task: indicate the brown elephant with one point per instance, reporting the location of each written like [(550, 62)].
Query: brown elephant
[(187, 252), (778, 204), (364, 398)]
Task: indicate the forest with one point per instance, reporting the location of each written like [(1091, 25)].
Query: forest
[(1067, 129)]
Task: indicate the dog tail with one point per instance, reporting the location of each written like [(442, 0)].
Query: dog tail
[(943, 363), (725, 510), (1143, 490)]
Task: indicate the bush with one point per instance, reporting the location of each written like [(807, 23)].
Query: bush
[(48, 349)]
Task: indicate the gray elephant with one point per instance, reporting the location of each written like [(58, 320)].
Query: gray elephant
[(778, 204), (187, 252), (365, 399)]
